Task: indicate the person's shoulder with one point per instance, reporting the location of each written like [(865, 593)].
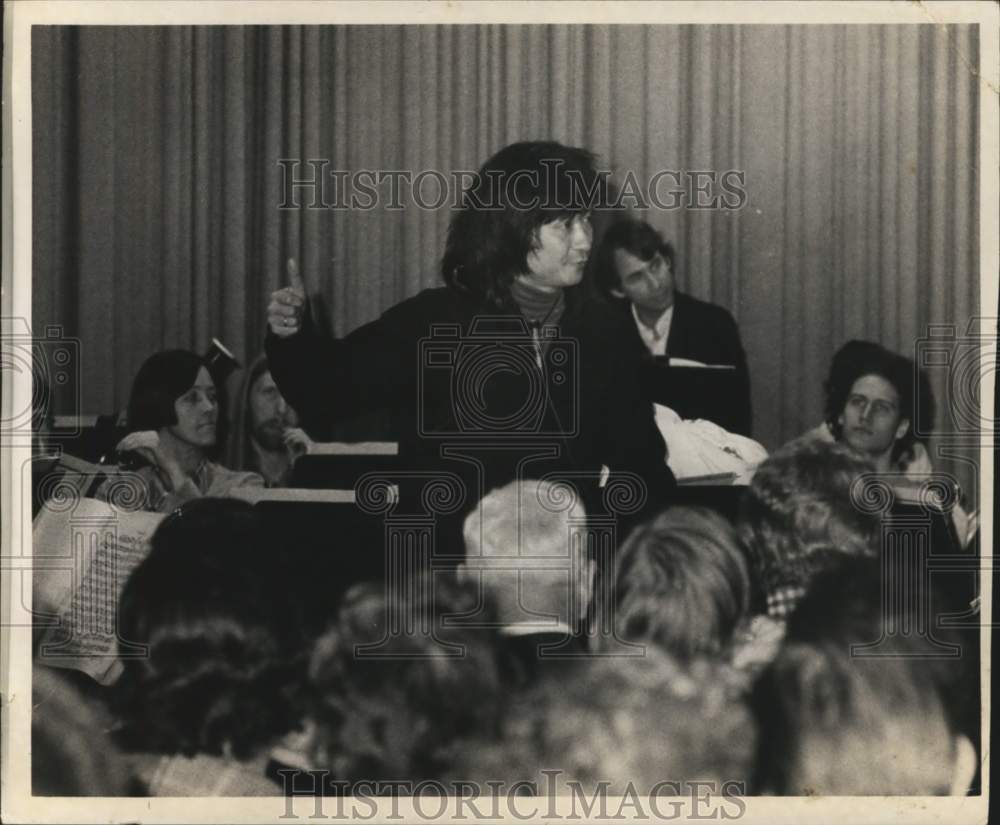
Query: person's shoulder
[(436, 297), (442, 303), (593, 313), (685, 303), (221, 479)]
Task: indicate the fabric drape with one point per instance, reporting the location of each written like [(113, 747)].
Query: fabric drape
[(158, 184)]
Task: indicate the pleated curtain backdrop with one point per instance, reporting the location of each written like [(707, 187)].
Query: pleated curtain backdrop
[(157, 182)]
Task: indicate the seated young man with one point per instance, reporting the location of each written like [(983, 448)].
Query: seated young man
[(635, 267), (873, 398), (266, 437), (835, 721), (870, 405)]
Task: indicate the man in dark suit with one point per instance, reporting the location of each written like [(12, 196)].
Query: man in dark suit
[(636, 270)]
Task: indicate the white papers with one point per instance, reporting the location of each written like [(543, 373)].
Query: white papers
[(82, 557), (687, 362)]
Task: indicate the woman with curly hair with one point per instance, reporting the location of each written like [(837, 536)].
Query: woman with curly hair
[(224, 660), (399, 680), (801, 514)]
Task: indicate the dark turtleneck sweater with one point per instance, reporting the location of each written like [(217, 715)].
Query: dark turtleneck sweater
[(540, 308)]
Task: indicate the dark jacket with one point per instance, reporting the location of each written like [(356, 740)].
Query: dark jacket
[(476, 389), (707, 333)]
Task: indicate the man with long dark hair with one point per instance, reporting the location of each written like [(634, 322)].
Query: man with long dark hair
[(506, 364)]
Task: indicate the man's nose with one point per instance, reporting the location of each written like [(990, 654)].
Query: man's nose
[(866, 412), (583, 235)]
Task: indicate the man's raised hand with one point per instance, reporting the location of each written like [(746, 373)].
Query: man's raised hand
[(287, 307)]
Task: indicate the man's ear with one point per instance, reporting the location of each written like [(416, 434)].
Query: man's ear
[(964, 770), (904, 426)]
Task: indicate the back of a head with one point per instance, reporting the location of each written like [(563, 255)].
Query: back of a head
[(681, 582), (638, 721), (398, 679), (225, 655), (836, 719), (71, 752), (520, 546), (802, 510), (517, 190)]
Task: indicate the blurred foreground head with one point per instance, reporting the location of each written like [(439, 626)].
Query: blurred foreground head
[(395, 682), (521, 549), (801, 513), (680, 582), (641, 721), (225, 659), (860, 701)]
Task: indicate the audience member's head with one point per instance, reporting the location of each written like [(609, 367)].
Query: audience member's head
[(517, 192), (262, 419), (639, 720), (71, 752), (399, 679), (520, 546), (681, 582), (856, 702), (872, 402), (634, 262), (225, 656), (174, 395), (798, 516)]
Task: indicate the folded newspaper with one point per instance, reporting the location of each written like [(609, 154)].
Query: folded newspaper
[(83, 553)]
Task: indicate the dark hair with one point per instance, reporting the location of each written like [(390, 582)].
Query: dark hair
[(681, 582), (636, 237), (799, 513), (224, 659), (161, 380), (835, 721), (398, 712), (857, 359), (521, 187)]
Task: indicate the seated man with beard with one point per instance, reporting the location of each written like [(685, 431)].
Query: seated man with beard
[(266, 437)]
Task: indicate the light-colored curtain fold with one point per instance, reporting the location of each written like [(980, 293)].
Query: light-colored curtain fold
[(157, 182)]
